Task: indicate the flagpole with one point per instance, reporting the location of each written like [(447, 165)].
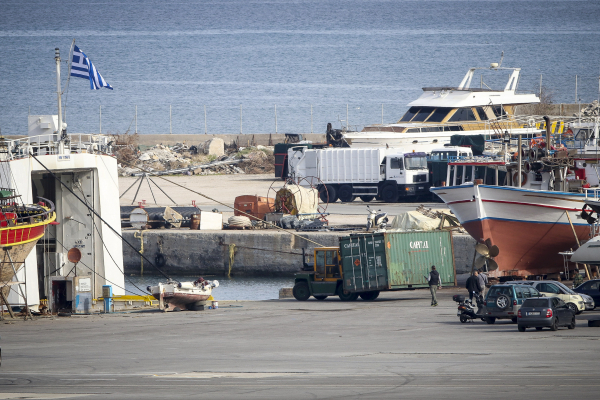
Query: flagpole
[(58, 92)]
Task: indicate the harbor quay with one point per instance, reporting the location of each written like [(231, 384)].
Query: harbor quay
[(268, 253), (396, 347)]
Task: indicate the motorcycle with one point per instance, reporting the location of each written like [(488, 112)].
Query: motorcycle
[(377, 219), (466, 310)]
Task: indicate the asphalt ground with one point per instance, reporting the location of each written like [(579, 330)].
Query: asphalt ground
[(395, 347)]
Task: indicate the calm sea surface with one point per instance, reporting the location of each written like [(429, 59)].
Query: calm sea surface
[(229, 289), (259, 54)]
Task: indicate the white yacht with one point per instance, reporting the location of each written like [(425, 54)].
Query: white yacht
[(441, 112)]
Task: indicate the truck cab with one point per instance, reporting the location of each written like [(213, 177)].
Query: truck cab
[(324, 279), (408, 171)]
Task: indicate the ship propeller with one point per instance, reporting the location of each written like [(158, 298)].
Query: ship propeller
[(487, 252)]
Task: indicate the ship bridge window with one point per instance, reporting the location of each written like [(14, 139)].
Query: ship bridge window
[(439, 114), (583, 134), (442, 155), (453, 128), (410, 113), (498, 111), (422, 115), (482, 115), (432, 129), (463, 114)]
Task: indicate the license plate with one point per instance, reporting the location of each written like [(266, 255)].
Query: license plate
[(533, 313), (458, 314), (421, 187)]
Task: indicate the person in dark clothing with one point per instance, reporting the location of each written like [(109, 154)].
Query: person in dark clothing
[(434, 284), (472, 285)]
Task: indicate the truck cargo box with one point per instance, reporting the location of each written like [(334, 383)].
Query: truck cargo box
[(396, 260), (339, 165)]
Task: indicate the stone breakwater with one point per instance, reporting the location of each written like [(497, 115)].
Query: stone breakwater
[(241, 253)]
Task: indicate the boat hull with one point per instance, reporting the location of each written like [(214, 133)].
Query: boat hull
[(183, 301), (530, 227), (181, 296)]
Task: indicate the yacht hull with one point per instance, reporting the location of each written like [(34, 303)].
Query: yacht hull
[(529, 226)]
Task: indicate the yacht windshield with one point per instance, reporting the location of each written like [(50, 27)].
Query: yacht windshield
[(422, 115), (463, 114), (415, 162), (439, 114), (410, 113)]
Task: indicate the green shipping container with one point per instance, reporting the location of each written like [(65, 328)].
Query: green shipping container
[(398, 260)]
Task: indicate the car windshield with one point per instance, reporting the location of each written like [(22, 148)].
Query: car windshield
[(565, 288), (416, 162), (535, 303)]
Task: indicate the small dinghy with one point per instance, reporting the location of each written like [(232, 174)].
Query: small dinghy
[(183, 295)]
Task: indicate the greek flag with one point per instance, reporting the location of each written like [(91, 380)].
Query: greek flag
[(82, 67)]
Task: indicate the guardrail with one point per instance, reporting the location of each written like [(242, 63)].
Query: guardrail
[(53, 144)]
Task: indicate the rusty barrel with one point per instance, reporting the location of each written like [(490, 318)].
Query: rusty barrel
[(195, 221)]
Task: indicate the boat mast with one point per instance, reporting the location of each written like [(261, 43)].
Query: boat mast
[(58, 90)]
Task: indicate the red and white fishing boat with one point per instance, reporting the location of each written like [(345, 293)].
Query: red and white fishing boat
[(21, 226), (529, 226), (182, 295)]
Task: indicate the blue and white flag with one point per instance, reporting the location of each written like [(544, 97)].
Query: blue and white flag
[(82, 67)]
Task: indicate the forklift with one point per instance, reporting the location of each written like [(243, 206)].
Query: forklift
[(324, 277)]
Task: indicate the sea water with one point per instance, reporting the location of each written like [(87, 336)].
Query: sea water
[(229, 288), (287, 65)]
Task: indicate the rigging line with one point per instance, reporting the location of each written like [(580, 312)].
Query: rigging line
[(98, 215), (102, 240), (221, 203)]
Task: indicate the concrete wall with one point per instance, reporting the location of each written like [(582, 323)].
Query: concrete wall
[(257, 253)]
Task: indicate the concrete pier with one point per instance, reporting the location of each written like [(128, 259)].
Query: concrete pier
[(255, 253), (396, 347)]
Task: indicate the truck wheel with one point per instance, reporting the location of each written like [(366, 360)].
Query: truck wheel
[(367, 199), (345, 194), (328, 194), (370, 296), (301, 291), (389, 193), (346, 296)]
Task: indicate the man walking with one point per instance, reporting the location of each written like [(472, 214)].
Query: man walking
[(472, 285), (434, 284)]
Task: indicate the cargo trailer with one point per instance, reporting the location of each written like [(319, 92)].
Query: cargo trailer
[(366, 264)]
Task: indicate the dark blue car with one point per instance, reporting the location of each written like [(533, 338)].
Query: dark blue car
[(591, 288)]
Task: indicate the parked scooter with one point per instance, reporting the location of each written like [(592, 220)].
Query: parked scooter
[(466, 310), (377, 219)]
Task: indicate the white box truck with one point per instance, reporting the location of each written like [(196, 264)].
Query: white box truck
[(345, 173)]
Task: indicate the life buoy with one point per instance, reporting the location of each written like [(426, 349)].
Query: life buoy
[(523, 178)]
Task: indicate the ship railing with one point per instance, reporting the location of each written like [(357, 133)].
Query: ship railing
[(592, 193), (483, 159), (74, 143)]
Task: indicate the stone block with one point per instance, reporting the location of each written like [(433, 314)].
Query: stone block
[(286, 293), (214, 147)]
